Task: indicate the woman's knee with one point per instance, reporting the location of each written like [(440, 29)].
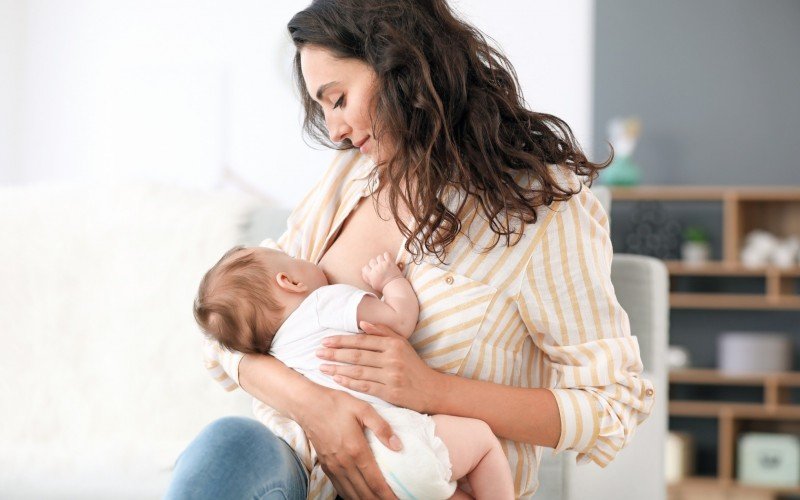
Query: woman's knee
[(236, 457)]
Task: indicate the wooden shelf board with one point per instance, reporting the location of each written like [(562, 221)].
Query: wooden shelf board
[(697, 482), (732, 301), (713, 409), (701, 376), (704, 193), (716, 268)]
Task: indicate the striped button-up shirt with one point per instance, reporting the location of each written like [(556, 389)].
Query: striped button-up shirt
[(539, 313)]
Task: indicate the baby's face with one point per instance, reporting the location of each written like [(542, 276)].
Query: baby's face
[(298, 270)]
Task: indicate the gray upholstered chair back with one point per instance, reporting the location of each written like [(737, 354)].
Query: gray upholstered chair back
[(641, 285)]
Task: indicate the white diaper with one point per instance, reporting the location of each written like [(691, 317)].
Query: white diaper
[(421, 470)]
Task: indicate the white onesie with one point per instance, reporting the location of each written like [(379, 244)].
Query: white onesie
[(422, 469)]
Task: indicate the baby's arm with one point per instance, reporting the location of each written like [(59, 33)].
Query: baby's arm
[(399, 309)]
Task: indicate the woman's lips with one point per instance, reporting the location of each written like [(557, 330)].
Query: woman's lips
[(363, 148)]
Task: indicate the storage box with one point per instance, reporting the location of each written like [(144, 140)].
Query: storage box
[(679, 462), (754, 352), (769, 459)]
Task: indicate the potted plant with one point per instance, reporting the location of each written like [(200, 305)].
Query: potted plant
[(695, 248)]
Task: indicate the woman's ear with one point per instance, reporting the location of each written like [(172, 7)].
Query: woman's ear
[(287, 283)]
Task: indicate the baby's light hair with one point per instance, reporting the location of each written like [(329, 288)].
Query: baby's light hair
[(236, 304)]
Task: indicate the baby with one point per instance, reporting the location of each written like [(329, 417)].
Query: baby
[(260, 300)]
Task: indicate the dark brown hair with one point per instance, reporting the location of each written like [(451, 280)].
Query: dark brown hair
[(452, 105), (235, 303)]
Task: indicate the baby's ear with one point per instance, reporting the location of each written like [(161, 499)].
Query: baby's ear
[(287, 283)]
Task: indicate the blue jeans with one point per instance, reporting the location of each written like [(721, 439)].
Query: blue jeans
[(238, 458)]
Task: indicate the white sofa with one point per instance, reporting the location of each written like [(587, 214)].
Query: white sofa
[(103, 384), (102, 380)]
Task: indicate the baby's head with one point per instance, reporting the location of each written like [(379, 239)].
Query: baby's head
[(247, 295)]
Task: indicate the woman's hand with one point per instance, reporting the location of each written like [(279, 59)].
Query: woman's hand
[(383, 364), (335, 426)]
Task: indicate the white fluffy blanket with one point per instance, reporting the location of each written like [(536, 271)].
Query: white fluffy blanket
[(102, 381)]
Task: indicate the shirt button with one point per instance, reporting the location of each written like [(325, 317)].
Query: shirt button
[(449, 280), (649, 392)]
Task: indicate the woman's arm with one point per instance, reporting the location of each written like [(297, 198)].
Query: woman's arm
[(519, 414), (268, 380), (515, 413), (567, 302), (333, 421)]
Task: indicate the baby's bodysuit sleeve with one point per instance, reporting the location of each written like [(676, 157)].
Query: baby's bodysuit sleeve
[(337, 306)]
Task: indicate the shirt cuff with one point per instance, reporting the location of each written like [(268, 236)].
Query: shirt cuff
[(232, 367), (222, 364), (580, 419)]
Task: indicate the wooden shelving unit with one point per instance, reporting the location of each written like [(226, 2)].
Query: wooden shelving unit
[(775, 407), (744, 209), (709, 488), (775, 209)]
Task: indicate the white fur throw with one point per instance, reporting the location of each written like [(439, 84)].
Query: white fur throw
[(102, 381)]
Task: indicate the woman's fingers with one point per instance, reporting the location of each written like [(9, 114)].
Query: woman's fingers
[(373, 477), (354, 372), (369, 468), (365, 342), (378, 330), (340, 483), (358, 485), (337, 433), (351, 356), (372, 388), (373, 421), (360, 473)]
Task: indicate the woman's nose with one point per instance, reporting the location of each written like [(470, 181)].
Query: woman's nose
[(338, 130)]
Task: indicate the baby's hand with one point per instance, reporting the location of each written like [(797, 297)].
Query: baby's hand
[(380, 271)]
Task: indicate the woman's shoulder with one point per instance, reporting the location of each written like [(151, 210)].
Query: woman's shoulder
[(584, 198), (567, 219)]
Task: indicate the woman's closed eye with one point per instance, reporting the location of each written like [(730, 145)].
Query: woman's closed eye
[(339, 102)]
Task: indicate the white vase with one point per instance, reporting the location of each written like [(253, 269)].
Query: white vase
[(694, 252)]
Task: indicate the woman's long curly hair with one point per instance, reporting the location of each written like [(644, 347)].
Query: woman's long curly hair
[(452, 105)]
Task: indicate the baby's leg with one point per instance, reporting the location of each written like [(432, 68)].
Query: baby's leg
[(475, 452)]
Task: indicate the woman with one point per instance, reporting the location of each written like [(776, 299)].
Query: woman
[(479, 198)]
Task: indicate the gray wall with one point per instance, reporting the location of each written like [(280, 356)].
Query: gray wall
[(715, 82)]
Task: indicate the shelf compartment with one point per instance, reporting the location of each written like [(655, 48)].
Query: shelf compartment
[(717, 486), (706, 409), (725, 269), (732, 301), (715, 377)]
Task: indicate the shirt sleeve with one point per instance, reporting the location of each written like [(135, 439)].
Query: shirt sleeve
[(337, 306), (592, 363)]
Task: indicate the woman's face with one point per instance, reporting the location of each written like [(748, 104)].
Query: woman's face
[(344, 88)]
